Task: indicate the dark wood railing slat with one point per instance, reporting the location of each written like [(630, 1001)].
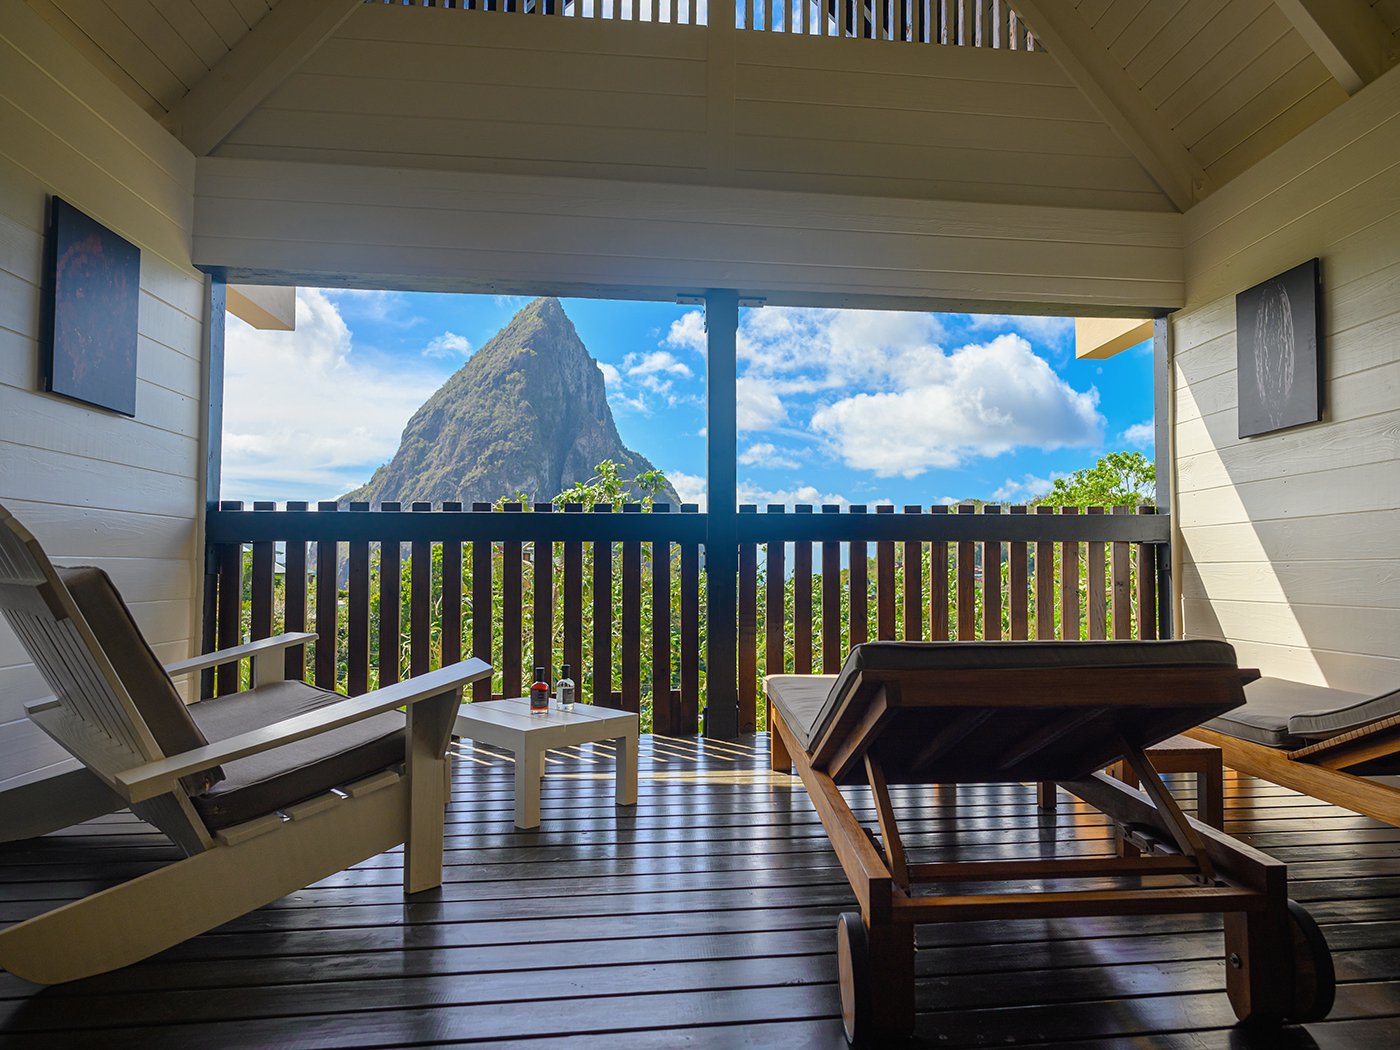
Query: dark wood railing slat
[(230, 626), (775, 576), (452, 595), (1018, 586), (357, 613), (1147, 587), (885, 598), (991, 583), (390, 607), (420, 601), (483, 616), (748, 635), (802, 602), (1069, 586), (1096, 566), (1044, 585), (264, 571), (327, 599), (542, 602), (913, 585)]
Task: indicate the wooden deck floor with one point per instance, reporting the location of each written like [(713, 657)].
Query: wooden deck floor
[(703, 919)]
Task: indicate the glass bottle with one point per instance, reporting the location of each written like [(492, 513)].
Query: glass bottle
[(564, 690), (539, 694)]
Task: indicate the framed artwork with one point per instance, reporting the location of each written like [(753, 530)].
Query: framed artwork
[(94, 288), (1278, 340)]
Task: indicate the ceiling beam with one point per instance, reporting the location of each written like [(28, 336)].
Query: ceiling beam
[(1087, 62), (282, 40), (1347, 35)]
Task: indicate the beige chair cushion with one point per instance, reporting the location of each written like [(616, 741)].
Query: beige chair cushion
[(150, 688), (272, 780)]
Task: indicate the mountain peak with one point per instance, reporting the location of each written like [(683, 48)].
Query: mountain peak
[(528, 412)]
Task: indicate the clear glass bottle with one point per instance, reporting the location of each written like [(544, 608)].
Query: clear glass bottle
[(539, 694), (564, 690)]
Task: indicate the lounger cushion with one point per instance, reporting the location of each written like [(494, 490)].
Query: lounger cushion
[(1290, 715), (150, 688), (263, 783), (809, 721)]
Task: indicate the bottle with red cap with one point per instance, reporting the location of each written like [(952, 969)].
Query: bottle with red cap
[(539, 694)]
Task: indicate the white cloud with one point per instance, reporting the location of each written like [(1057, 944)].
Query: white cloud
[(611, 376), (765, 454), (658, 362), (303, 417), (449, 344), (688, 333), (691, 488), (757, 404), (1045, 329), (1028, 488), (383, 307), (981, 400), (1140, 434)]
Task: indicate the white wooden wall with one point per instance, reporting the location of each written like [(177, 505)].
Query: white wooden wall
[(95, 487), (1292, 540)]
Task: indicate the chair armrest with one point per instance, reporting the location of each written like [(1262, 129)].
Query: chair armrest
[(143, 782), (238, 652)]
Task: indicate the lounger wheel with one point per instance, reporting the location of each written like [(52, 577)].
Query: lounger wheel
[(1314, 978), (853, 966)]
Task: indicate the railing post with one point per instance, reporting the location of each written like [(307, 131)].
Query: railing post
[(1162, 416), (722, 536)]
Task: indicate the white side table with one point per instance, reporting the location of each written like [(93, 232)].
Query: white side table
[(509, 724)]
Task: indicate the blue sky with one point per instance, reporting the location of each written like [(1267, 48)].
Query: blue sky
[(835, 406)]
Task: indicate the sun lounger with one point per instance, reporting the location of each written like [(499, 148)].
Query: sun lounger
[(1328, 743), (933, 713), (265, 791)]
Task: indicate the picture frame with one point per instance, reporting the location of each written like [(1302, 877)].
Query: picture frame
[(1279, 351), (92, 301)]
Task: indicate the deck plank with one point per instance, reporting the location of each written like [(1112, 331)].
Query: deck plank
[(702, 918)]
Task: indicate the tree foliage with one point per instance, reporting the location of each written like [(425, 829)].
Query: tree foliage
[(1118, 479)]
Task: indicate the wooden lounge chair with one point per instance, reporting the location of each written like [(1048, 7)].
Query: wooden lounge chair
[(934, 713), (1328, 743), (265, 791)]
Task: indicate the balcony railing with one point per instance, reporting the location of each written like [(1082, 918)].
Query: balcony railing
[(965, 23), (620, 595)]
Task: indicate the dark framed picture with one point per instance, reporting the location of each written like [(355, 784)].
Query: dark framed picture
[(94, 291), (1278, 340)]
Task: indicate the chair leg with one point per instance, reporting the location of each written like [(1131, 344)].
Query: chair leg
[(1258, 963), (429, 727), (892, 977), (779, 759)]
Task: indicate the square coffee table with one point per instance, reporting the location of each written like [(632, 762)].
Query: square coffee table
[(509, 724)]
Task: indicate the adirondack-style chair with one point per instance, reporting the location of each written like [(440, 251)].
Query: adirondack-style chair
[(266, 791)]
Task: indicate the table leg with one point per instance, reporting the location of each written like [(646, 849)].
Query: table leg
[(627, 762), (529, 765), (1210, 794)]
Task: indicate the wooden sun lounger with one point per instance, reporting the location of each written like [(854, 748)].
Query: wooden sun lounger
[(934, 713), (1327, 743)]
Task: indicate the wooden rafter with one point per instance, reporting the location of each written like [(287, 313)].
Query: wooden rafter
[(1071, 42), (1347, 35), (282, 40)]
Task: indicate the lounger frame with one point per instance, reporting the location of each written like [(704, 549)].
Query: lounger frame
[(1218, 873), (1322, 770)]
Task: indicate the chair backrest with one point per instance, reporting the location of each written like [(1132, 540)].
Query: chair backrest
[(93, 713)]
